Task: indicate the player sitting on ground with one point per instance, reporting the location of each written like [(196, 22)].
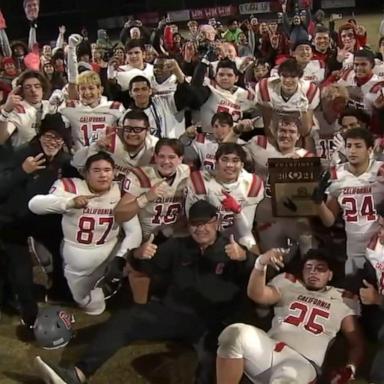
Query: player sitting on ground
[(308, 315)]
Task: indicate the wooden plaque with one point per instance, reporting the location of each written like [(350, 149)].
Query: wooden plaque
[(292, 183)]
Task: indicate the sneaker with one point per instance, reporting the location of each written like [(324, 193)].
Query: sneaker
[(53, 374)]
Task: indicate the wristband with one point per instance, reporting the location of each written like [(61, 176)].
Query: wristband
[(142, 200), (352, 367), (4, 115), (259, 266), (205, 61)]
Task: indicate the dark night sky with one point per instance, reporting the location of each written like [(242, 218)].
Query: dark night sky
[(76, 13)]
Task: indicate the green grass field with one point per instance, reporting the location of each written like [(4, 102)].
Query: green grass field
[(157, 363)]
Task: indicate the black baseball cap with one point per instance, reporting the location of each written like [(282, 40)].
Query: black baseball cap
[(54, 122), (201, 212), (301, 42)]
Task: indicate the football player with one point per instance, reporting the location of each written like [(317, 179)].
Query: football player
[(90, 230)]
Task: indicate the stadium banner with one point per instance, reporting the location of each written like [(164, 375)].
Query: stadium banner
[(250, 8), (292, 184), (178, 15), (208, 13), (327, 4)]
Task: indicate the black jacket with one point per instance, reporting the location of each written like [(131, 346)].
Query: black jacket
[(17, 187), (208, 284)]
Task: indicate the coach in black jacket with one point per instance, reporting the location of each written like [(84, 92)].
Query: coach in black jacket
[(28, 171), (207, 279)]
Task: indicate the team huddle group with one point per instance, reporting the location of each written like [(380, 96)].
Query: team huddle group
[(146, 161)]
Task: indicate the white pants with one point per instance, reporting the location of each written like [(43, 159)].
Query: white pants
[(81, 280), (265, 360)]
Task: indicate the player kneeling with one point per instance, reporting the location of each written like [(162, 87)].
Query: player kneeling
[(89, 227)]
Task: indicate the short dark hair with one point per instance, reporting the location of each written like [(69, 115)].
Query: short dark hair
[(98, 156), (223, 118), (360, 133), (358, 113), (31, 74), (139, 78), (226, 63), (134, 43), (175, 144), (321, 29), (136, 114), (231, 148), (290, 67), (366, 54), (319, 254)]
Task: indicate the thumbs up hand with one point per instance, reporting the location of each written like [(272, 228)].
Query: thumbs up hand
[(147, 250), (369, 294), (234, 251)]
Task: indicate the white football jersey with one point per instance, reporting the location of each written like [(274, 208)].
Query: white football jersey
[(307, 320), (360, 96), (91, 124), (221, 100), (323, 133), (90, 233), (268, 93), (124, 161), (375, 256), (248, 191), (94, 225), (24, 121), (164, 118), (164, 214), (357, 197), (125, 73), (167, 87), (378, 69), (206, 146), (314, 71)]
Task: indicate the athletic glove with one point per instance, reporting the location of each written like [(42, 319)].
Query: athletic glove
[(230, 203), (341, 375), (115, 269), (324, 183)]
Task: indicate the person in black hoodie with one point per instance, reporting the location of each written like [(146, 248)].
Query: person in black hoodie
[(28, 171)]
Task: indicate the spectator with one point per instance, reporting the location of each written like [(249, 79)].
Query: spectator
[(29, 171)]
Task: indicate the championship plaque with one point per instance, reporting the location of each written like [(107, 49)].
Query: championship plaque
[(292, 183)]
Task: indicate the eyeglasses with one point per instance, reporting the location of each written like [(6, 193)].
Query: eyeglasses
[(52, 138), (201, 222), (130, 129)]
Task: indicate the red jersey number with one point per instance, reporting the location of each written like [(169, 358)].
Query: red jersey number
[(86, 228), (306, 316), (352, 212)]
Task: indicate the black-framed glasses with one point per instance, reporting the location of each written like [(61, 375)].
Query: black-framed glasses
[(130, 129)]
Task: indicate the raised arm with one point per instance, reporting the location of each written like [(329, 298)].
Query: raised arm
[(258, 290)]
